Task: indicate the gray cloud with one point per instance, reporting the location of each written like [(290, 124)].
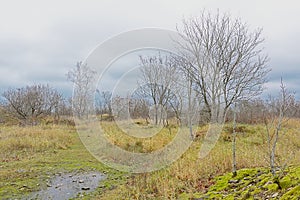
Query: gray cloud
[(41, 41)]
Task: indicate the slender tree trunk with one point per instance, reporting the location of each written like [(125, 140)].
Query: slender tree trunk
[(272, 155), (156, 114), (190, 109), (234, 173)]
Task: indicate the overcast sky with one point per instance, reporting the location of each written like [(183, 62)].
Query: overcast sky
[(40, 41)]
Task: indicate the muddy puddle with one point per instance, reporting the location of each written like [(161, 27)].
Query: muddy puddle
[(64, 186)]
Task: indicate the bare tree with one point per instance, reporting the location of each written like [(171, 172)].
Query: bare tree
[(279, 112), (31, 102), (190, 101), (225, 60), (249, 111), (120, 107), (107, 102), (139, 108), (82, 77), (64, 108), (158, 83)]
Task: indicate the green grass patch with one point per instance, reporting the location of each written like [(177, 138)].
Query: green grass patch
[(31, 171)]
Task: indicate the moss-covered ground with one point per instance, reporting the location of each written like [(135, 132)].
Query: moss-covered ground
[(256, 183)]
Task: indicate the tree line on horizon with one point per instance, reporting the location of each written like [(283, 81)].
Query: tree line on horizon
[(221, 65)]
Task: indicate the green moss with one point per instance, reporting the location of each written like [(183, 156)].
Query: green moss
[(293, 194), (245, 172), (214, 195), (285, 182), (255, 191), (229, 197), (221, 183), (246, 194), (272, 187), (263, 179), (255, 183), (197, 195), (184, 196), (295, 172)]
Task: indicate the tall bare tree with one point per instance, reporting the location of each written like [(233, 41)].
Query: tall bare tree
[(225, 60), (82, 76)]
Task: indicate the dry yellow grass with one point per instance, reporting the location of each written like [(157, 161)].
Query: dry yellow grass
[(191, 175), (19, 142), (130, 143)]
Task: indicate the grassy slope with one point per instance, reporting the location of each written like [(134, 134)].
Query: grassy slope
[(191, 177), (27, 164), (31, 155)]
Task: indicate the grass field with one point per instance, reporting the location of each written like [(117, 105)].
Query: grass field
[(31, 155)]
